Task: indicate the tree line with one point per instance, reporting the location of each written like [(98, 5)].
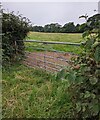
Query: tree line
[(57, 28)]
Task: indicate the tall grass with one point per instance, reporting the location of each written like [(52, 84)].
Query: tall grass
[(33, 94)]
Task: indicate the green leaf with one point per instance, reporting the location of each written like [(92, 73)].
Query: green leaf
[(93, 95), (97, 73), (79, 79), (83, 108), (95, 44), (89, 43), (96, 109), (72, 76), (61, 74), (87, 94), (93, 80), (78, 107), (97, 53), (86, 33)]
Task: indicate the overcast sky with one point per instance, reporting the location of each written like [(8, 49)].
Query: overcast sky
[(41, 13)]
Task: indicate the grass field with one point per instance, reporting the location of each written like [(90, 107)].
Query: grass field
[(62, 37), (33, 93)]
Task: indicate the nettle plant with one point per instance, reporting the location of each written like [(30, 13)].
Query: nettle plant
[(84, 74)]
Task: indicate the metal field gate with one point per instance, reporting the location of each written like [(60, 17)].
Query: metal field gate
[(45, 58)]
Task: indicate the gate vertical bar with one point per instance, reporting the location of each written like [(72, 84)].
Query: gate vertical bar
[(45, 60)]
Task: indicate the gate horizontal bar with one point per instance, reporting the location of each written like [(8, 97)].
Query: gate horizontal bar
[(54, 42)]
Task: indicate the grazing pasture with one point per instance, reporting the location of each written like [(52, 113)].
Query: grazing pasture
[(60, 37)]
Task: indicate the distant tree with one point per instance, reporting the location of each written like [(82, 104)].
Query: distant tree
[(53, 27), (77, 28), (47, 28), (38, 29), (69, 28), (57, 28)]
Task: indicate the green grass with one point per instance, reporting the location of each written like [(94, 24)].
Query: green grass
[(33, 94), (62, 37), (65, 37)]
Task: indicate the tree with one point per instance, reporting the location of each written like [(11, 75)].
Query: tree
[(38, 29), (53, 27), (77, 28), (69, 28)]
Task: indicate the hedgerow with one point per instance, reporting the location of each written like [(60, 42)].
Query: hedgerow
[(84, 75), (14, 29)]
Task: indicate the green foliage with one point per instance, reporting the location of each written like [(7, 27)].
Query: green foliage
[(38, 28), (69, 28), (14, 28), (85, 79), (57, 28), (53, 28), (97, 53)]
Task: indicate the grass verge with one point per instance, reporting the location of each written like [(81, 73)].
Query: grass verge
[(33, 94)]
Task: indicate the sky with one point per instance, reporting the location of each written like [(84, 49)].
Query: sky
[(42, 13)]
